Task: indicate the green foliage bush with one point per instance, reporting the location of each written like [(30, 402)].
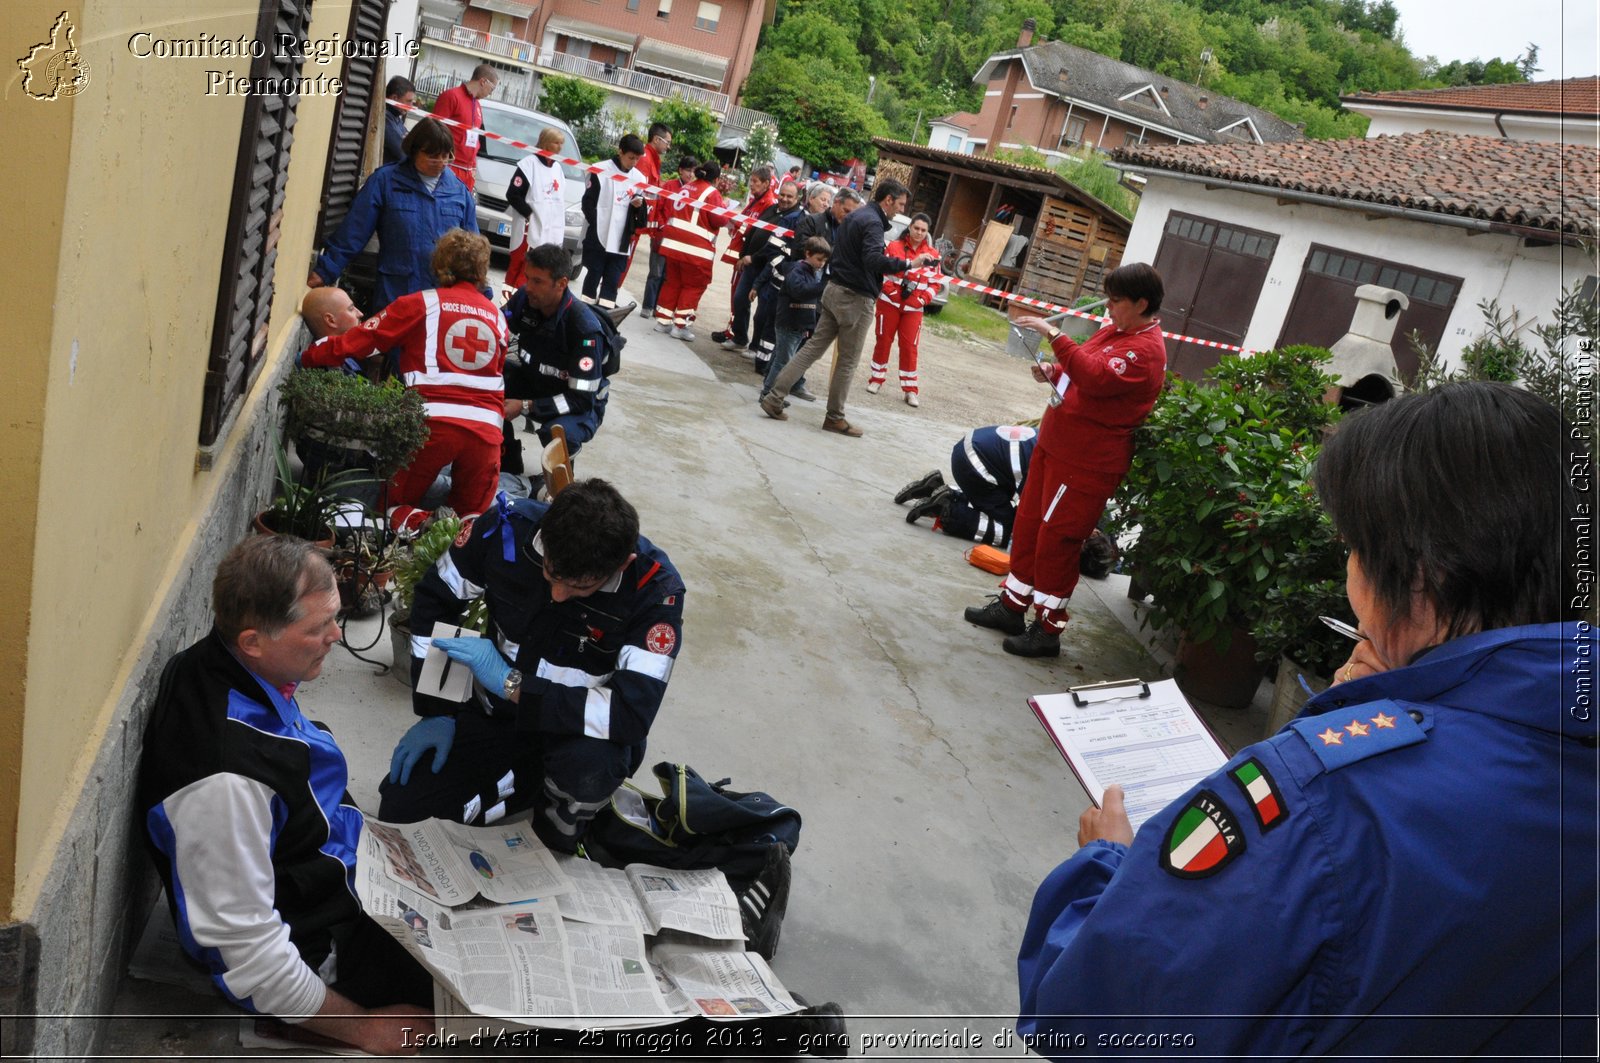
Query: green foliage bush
[(694, 127), (573, 100), (1229, 529)]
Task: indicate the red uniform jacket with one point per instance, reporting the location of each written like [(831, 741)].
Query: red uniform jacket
[(919, 281), (751, 209), (452, 351), (458, 105), (689, 232), (1116, 378)]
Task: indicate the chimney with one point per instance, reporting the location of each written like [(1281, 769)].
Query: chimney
[(1026, 37), (1363, 358), (1163, 92), (1202, 101), (1061, 77)]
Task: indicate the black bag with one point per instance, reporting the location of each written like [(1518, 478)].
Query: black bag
[(614, 340), (694, 824)]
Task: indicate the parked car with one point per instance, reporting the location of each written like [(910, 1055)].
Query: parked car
[(941, 293), (497, 160)]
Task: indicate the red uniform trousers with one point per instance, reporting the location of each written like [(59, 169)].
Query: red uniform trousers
[(907, 325), (1059, 508), (474, 473), (681, 290)]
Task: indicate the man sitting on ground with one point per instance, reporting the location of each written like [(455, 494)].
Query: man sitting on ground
[(245, 813)]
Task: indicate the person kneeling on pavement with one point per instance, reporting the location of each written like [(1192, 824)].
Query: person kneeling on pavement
[(247, 818), (556, 375), (585, 620)]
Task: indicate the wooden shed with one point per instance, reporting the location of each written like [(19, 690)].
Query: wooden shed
[(1073, 239)]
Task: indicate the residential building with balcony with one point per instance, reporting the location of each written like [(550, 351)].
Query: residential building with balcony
[(1056, 98), (640, 50)]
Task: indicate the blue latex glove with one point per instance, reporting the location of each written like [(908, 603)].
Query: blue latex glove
[(435, 732), (488, 667)]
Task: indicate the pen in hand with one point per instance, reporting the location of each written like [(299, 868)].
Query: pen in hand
[(1343, 628)]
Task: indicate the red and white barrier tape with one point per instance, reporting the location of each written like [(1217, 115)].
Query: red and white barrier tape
[(750, 222)]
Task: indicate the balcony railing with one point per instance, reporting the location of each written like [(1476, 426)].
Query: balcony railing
[(478, 40), (604, 73), (635, 80)]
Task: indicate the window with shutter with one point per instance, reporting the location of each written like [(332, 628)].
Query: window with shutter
[(352, 120), (250, 249)]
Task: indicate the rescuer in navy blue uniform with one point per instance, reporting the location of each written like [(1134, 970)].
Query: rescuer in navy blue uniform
[(557, 368), (989, 466), (1408, 867), (585, 619)]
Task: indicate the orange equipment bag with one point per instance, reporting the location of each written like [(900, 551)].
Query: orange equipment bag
[(990, 559)]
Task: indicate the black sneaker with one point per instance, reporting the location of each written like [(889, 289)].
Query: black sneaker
[(935, 505), (761, 907), (995, 615), (922, 488), (1037, 641), (819, 1028)]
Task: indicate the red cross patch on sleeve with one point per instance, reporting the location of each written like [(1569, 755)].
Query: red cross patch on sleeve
[(661, 639), (585, 363), (1118, 366)]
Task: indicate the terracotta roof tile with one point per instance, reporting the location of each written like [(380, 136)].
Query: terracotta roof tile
[(1579, 97), (1531, 184)]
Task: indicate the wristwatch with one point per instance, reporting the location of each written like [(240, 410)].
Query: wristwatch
[(512, 684), (1053, 333)]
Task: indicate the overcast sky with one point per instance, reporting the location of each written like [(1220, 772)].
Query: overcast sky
[(1564, 30)]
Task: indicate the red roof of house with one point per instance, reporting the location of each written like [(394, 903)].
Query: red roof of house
[(960, 119), (1578, 97), (1531, 184)]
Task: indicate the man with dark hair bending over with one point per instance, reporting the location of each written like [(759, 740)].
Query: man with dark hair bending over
[(585, 621), (245, 813)]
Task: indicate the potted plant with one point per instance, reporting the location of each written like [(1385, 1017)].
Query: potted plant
[(1219, 494), (412, 562), (307, 510), (362, 567), (385, 421)]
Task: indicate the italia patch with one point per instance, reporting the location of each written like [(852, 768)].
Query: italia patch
[(1203, 840), (661, 639), (1262, 793)]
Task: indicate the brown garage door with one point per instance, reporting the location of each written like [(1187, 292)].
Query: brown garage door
[(1326, 299), (1213, 274)]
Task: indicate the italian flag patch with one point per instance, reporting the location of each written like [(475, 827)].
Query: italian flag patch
[(1203, 839), (1262, 793)]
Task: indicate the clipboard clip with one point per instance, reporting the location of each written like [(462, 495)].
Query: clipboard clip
[(1114, 684)]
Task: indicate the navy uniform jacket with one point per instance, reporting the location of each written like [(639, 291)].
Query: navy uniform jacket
[(998, 455), (563, 357), (395, 204), (1407, 868), (595, 666)]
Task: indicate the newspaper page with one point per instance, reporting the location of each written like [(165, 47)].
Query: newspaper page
[(723, 983), (420, 925), (453, 864), (599, 895), (696, 902), (511, 863), (611, 974), (512, 961)]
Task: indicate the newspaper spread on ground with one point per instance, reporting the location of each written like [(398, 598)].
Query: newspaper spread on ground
[(573, 955), (453, 864)]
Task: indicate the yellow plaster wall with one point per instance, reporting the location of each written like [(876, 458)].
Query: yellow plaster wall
[(144, 213)]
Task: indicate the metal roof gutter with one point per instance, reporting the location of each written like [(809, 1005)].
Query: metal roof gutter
[(1319, 199)]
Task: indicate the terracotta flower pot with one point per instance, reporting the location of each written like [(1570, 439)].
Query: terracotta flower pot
[(1228, 678), (263, 528)]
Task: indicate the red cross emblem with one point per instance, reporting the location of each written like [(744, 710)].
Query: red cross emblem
[(469, 344), (660, 639)]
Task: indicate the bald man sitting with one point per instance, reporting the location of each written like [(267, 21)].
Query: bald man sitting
[(329, 311)]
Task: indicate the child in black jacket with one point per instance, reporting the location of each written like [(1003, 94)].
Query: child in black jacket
[(800, 284)]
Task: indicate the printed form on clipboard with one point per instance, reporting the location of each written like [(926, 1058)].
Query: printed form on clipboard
[(1144, 736)]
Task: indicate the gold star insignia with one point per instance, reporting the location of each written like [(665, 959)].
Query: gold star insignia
[(1357, 729), (1330, 737), (1381, 720)]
